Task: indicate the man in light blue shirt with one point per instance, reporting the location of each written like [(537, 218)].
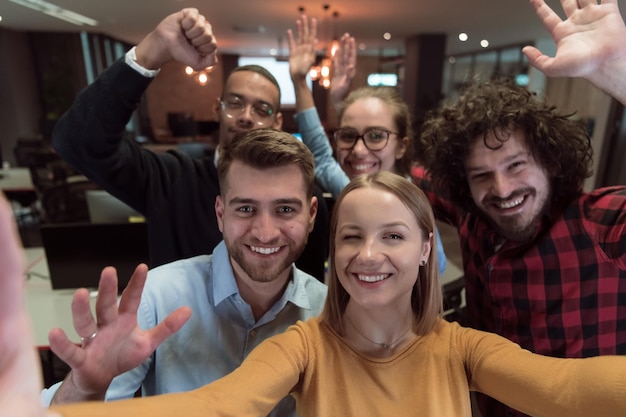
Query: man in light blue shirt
[(246, 291)]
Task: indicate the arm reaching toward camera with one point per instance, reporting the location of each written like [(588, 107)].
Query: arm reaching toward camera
[(20, 371)]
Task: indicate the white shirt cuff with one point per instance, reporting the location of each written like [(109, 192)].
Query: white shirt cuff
[(131, 61)]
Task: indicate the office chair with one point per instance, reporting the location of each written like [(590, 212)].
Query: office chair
[(66, 202)]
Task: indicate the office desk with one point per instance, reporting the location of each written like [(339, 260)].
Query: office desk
[(17, 185), (16, 180), (48, 308)]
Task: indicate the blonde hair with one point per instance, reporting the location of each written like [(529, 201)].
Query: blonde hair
[(426, 299)]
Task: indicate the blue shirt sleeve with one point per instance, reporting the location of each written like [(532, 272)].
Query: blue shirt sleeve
[(327, 170)]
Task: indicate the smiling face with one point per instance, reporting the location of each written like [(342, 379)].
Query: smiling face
[(250, 89), (378, 249), (363, 114), (508, 185), (265, 218)]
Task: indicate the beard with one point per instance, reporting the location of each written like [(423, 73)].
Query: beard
[(264, 270), (518, 228), (513, 228)]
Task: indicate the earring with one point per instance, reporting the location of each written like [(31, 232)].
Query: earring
[(423, 263)]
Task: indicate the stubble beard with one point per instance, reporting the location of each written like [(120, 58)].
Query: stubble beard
[(264, 271)]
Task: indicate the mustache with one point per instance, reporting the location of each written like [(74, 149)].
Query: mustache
[(492, 199)]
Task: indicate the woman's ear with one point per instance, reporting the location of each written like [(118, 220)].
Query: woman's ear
[(427, 247), (402, 147)]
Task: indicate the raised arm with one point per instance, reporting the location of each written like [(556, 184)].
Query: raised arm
[(111, 343), (301, 57), (591, 43), (20, 371), (302, 48), (90, 135), (344, 69)]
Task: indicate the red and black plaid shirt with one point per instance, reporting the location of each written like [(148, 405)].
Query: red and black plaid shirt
[(563, 294)]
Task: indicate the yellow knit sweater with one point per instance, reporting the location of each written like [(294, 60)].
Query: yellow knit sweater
[(430, 377)]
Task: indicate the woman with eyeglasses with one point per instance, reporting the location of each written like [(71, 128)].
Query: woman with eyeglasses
[(374, 133)]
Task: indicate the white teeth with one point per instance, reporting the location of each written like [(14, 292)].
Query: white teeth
[(511, 204), (372, 278), (362, 167), (264, 251)]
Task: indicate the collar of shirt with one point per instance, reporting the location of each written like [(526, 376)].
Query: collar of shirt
[(225, 286)]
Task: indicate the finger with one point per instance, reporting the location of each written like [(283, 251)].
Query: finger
[(351, 56), (584, 3), (208, 60), (546, 15), (205, 44), (305, 29), (84, 322), (569, 6), (169, 326), (299, 30), (65, 349), (538, 60), (313, 29), (131, 296), (106, 302), (189, 16), (199, 31), (12, 261), (290, 40)]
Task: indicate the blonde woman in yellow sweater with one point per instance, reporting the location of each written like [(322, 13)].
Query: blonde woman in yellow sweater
[(380, 347)]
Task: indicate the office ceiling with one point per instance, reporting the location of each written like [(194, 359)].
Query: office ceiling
[(253, 27)]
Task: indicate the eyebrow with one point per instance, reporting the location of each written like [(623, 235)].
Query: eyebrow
[(383, 226), (367, 128), (280, 201), (505, 161)]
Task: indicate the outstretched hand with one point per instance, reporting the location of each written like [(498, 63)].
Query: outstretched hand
[(20, 371), (302, 47), (591, 42), (344, 69), (112, 343), (185, 36)]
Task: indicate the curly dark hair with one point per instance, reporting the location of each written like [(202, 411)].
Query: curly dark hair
[(558, 142)]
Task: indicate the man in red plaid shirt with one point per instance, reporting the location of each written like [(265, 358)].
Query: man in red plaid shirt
[(544, 263)]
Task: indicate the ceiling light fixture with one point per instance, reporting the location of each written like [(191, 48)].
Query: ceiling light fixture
[(322, 72), (201, 77), (57, 12)]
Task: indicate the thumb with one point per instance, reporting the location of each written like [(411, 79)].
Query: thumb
[(66, 350)]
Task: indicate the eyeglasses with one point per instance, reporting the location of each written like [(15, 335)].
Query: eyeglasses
[(260, 113), (374, 138)]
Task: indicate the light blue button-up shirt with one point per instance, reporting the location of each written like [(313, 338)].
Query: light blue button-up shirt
[(221, 331)]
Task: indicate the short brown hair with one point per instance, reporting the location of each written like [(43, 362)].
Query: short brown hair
[(426, 299), (266, 148)]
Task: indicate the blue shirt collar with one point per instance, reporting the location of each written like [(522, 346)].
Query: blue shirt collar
[(225, 286)]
